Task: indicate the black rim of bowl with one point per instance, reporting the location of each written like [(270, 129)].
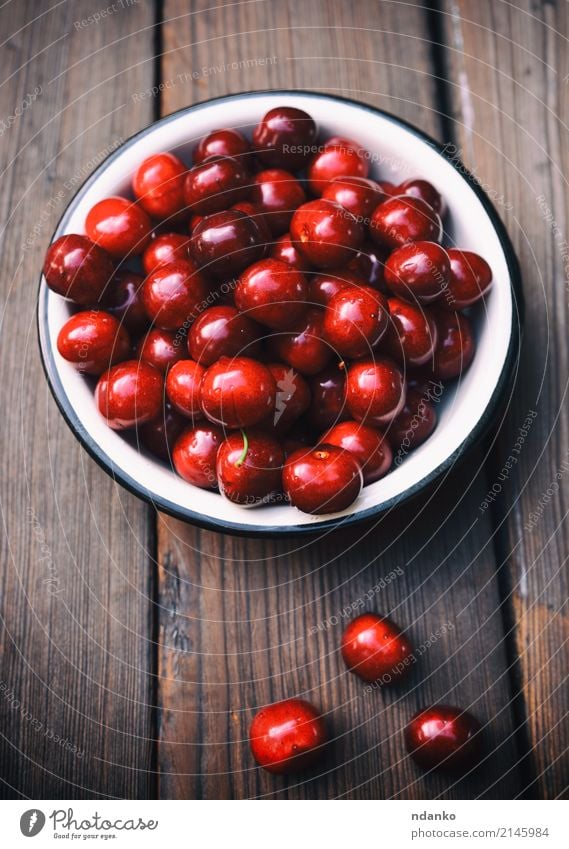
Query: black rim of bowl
[(504, 382)]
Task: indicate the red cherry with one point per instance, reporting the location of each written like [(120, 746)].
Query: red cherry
[(368, 265), (77, 269), (369, 447), (92, 341), (195, 455), (336, 160), (225, 142), (414, 424), (159, 348), (292, 399), (358, 195), (159, 435), (287, 736), (216, 184), (225, 243), (158, 184), (249, 467), (123, 299), (272, 293), (325, 479), (284, 250), (375, 391), (375, 649), (328, 405), (404, 219), (304, 349), (323, 286), (325, 233), (164, 249), (455, 346), (425, 191), (444, 737), (238, 392), (129, 394), (194, 221), (284, 138), (222, 332), (254, 211), (183, 388), (389, 189), (412, 334), (355, 321), (470, 279), (119, 226), (278, 194), (418, 271), (174, 294)]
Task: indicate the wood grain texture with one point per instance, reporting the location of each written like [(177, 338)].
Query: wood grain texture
[(508, 65), (245, 622), (75, 647)]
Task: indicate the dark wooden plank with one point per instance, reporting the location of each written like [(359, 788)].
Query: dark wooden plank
[(75, 548), (244, 622), (511, 109)]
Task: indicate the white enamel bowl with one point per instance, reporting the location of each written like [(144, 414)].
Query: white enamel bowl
[(399, 151)]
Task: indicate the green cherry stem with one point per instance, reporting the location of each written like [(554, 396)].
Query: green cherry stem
[(241, 459)]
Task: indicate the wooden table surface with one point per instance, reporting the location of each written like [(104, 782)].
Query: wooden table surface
[(134, 648)]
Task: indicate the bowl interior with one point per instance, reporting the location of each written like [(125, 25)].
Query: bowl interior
[(397, 153)]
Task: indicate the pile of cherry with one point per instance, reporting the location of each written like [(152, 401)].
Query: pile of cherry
[(271, 346)]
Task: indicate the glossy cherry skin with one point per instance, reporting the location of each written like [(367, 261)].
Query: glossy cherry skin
[(355, 320), (164, 249), (444, 737), (77, 269), (254, 211), (374, 648), (284, 250), (284, 138), (358, 195), (92, 341), (158, 185), (272, 293), (304, 349), (183, 388), (370, 448), (238, 392), (216, 184), (336, 160), (470, 279), (412, 334), (278, 193), (174, 295), (418, 272), (287, 737), (159, 348), (292, 399), (225, 243), (399, 220), (222, 332), (160, 434), (325, 479), (426, 191), (119, 226), (249, 467), (414, 424), (455, 346), (129, 394), (325, 233), (195, 455), (375, 391), (368, 265), (328, 404), (226, 142), (123, 299), (323, 286)]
